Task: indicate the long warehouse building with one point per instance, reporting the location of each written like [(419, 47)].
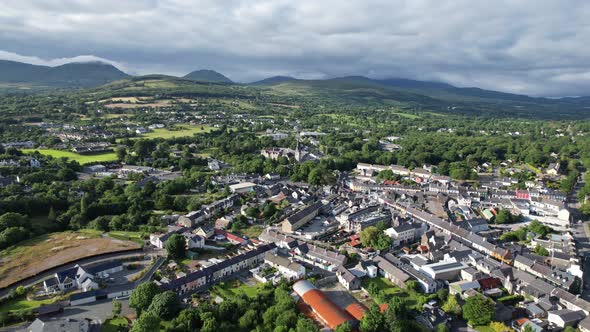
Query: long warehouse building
[(327, 311)]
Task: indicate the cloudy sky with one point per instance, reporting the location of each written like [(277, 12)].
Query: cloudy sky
[(534, 47)]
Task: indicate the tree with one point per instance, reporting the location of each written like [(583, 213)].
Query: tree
[(373, 320), (116, 308), (210, 325), (165, 305), (442, 327), (148, 322), (51, 216), (344, 327), (528, 328), (478, 310), (569, 329), (11, 219), (541, 251), (503, 217), (500, 327), (306, 325), (413, 286), (373, 237), (452, 306), (21, 290), (142, 296), (188, 320), (121, 153), (176, 246), (442, 294)]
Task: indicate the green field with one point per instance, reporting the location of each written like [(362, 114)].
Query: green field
[(136, 237), (383, 284), (179, 131), (232, 288), (251, 232), (114, 324), (21, 303), (407, 115), (82, 159)]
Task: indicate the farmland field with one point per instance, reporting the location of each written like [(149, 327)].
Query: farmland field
[(38, 254), (82, 159), (179, 131)]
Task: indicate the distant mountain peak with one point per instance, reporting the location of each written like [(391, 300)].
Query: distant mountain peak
[(207, 75), (274, 80)]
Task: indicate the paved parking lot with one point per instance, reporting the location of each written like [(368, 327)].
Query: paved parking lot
[(97, 312)]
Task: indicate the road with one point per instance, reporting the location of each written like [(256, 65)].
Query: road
[(581, 235)]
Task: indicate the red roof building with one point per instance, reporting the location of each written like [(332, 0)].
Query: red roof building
[(356, 310), (327, 311)]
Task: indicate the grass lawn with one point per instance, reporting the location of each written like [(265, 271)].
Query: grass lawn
[(389, 289), (113, 325), (383, 284), (21, 303), (82, 159), (178, 131), (252, 232), (407, 115), (128, 236), (234, 287), (484, 328)]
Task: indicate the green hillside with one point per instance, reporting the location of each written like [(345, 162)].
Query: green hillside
[(205, 75)]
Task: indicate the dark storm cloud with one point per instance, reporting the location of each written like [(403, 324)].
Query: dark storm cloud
[(535, 47)]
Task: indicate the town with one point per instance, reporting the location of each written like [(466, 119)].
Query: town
[(294, 166), (376, 233)]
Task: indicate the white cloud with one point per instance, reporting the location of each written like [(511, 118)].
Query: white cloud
[(525, 46)]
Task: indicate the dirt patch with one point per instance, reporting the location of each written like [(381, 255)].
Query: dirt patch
[(36, 255)]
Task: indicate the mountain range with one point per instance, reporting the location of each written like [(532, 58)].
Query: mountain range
[(357, 90), (87, 74)]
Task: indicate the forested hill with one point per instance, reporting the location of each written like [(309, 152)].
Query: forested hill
[(424, 95)]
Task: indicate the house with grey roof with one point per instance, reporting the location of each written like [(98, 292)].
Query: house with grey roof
[(348, 279), (59, 325), (565, 317)]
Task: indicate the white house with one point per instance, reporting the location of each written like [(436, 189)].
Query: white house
[(79, 277)]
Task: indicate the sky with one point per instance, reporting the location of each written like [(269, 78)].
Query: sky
[(533, 47)]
